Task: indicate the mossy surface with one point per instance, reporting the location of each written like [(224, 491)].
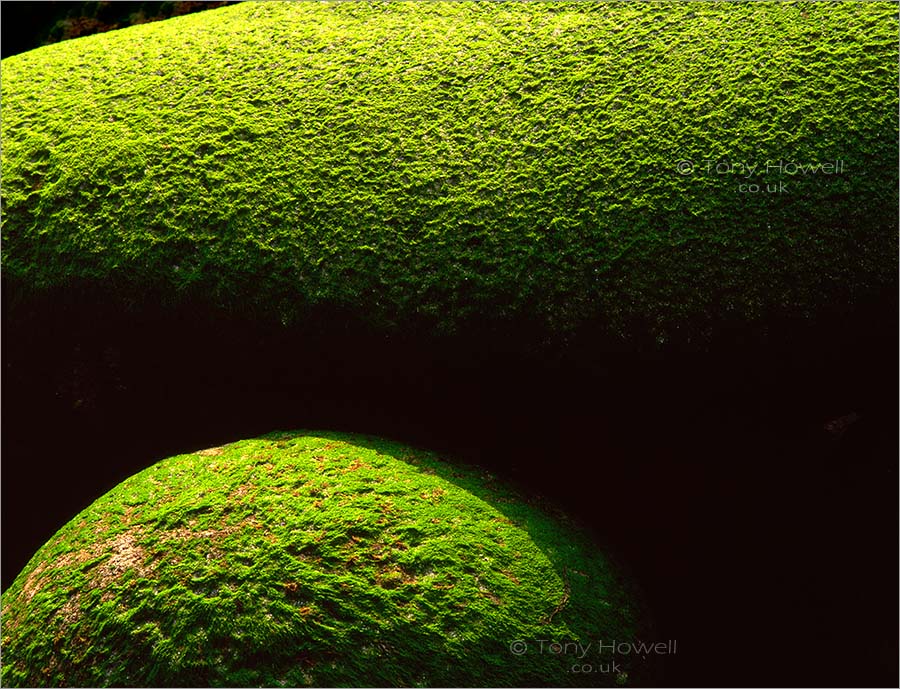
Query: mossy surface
[(313, 559), (441, 163)]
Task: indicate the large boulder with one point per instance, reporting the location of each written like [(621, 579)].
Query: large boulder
[(321, 559), (646, 172)]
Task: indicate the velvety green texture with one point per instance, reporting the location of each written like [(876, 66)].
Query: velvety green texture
[(314, 559), (442, 162)]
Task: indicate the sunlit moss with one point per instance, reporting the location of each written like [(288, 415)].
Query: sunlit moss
[(435, 163), (320, 559)]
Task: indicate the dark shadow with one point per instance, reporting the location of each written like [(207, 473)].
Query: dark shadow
[(709, 473)]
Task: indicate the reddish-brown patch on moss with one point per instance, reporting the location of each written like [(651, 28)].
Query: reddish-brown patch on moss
[(485, 592), (70, 612), (124, 554), (34, 581), (127, 555), (185, 534), (356, 465), (509, 575), (392, 576)]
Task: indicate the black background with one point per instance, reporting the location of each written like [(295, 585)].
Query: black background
[(766, 545), (27, 25)]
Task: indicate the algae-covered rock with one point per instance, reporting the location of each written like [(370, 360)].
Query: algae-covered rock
[(317, 559), (642, 169)]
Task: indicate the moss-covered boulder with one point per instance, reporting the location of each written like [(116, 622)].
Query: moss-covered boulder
[(643, 170), (317, 559)]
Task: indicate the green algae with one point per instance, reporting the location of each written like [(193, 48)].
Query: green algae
[(318, 559), (442, 162)]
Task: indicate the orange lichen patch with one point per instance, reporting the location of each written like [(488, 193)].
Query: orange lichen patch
[(210, 452)]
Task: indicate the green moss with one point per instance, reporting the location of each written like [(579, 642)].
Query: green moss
[(313, 559), (444, 162)]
